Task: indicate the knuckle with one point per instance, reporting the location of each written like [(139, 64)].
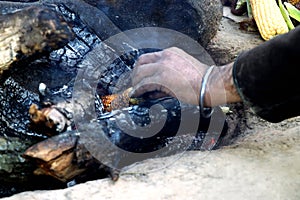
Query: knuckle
[(174, 49), (140, 60)]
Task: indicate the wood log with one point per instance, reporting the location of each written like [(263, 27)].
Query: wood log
[(30, 32), (65, 157)]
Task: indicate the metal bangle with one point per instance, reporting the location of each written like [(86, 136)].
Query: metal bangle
[(205, 112)]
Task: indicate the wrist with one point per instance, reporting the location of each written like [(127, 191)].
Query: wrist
[(205, 112), (220, 88)]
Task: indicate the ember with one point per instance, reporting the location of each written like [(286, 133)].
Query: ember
[(118, 101)]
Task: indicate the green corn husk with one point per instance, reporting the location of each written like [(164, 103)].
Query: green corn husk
[(285, 15), (293, 11), (240, 3), (249, 9)]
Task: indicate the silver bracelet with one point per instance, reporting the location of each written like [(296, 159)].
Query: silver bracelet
[(205, 112)]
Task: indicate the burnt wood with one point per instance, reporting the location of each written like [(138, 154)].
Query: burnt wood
[(29, 32)]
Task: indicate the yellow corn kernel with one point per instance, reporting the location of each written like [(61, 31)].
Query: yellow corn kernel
[(268, 18)]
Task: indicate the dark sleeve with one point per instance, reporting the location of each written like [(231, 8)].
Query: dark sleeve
[(268, 78)]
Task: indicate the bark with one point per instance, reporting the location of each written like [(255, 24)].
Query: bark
[(30, 32), (65, 157)]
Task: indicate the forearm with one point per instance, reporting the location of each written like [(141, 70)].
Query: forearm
[(267, 77)]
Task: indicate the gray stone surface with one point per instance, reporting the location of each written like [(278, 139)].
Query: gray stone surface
[(230, 40), (263, 165), (197, 19), (10, 159)]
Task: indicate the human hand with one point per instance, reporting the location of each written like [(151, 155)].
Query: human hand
[(171, 72)]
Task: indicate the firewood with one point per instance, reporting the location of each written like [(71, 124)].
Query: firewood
[(30, 32)]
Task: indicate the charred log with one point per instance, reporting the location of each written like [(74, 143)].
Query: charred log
[(29, 32), (65, 157)]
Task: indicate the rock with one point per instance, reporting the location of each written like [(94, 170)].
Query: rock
[(230, 40), (264, 165), (10, 159), (197, 19)]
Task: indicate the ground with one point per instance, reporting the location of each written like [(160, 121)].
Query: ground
[(262, 165)]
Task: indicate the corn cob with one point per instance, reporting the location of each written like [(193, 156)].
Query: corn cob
[(268, 17), (118, 101)]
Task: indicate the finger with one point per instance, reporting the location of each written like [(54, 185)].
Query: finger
[(197, 65), (176, 50), (149, 85), (152, 87), (144, 71), (148, 58), (157, 95), (143, 89)]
